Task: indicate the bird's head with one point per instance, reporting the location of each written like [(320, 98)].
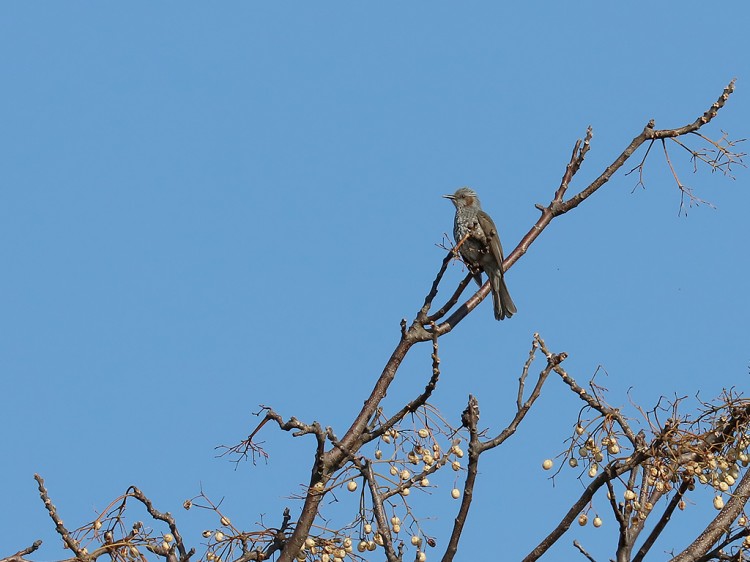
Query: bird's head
[(464, 197)]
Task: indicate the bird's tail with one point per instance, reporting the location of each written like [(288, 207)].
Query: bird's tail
[(504, 306)]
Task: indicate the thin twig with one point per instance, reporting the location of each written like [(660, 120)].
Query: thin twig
[(583, 551), (19, 556), (72, 544)]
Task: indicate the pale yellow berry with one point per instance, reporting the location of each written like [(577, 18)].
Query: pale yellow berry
[(458, 451), (405, 474), (168, 537), (219, 536), (579, 429), (405, 492), (351, 486), (718, 502), (597, 522), (347, 542), (428, 459), (309, 542), (729, 479), (362, 546), (455, 465), (225, 521), (386, 438), (368, 528), (613, 448), (742, 521), (97, 524), (583, 519), (378, 538), (629, 495), (164, 545), (416, 540), (325, 557), (573, 462), (395, 520), (207, 534), (455, 493), (393, 470), (421, 556), (397, 529), (378, 454), (593, 470), (424, 482), (423, 433), (681, 504), (547, 464), (371, 545)]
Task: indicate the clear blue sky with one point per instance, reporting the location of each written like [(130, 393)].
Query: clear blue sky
[(206, 208)]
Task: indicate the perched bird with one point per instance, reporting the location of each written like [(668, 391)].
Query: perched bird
[(481, 249)]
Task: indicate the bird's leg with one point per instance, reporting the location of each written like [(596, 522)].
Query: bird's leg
[(460, 243)]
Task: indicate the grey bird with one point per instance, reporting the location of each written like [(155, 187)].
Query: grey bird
[(481, 250)]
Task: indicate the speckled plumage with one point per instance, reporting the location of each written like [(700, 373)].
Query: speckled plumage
[(482, 250)]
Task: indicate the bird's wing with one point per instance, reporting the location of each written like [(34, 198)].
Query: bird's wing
[(493, 239)]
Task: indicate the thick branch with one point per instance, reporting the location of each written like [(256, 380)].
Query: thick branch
[(720, 525), (420, 400)]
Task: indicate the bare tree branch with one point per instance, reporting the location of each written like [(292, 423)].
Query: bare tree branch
[(19, 556), (80, 553), (470, 418), (583, 551), (720, 525), (662, 523)]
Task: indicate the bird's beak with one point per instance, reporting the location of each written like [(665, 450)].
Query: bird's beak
[(451, 197)]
